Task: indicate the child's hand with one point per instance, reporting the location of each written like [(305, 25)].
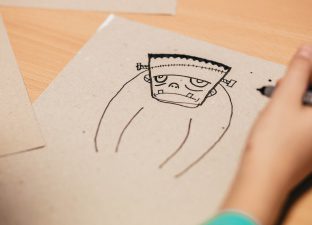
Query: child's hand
[(282, 136), (279, 149)]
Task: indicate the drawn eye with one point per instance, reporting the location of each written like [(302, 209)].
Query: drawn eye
[(161, 79), (198, 82)]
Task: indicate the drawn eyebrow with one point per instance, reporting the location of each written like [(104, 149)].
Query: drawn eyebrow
[(192, 89), (160, 84)]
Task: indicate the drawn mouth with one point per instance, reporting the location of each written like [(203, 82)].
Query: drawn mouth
[(189, 95), (192, 89)]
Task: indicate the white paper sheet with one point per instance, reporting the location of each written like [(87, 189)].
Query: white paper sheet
[(19, 129), (122, 150)]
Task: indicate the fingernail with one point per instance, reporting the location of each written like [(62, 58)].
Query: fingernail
[(305, 51)]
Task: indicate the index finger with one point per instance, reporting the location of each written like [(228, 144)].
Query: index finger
[(297, 79)]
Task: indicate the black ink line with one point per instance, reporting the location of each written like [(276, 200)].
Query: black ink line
[(169, 93), (183, 172), (219, 82), (188, 65), (191, 89), (177, 103), (21, 152), (176, 75), (106, 108), (180, 147), (204, 100), (126, 127), (160, 84), (150, 75), (194, 58)]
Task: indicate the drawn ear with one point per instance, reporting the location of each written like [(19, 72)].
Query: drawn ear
[(212, 93), (147, 78)]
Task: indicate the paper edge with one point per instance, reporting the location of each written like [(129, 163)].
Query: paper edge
[(106, 22), (42, 141), (169, 12)]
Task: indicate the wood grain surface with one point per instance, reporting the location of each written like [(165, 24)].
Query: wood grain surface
[(44, 40)]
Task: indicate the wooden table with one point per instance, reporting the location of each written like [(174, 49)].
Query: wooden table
[(45, 40)]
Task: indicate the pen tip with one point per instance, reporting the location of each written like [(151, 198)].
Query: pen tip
[(261, 90)]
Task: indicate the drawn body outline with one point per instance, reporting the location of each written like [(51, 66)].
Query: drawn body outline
[(212, 146), (212, 92), (106, 108)]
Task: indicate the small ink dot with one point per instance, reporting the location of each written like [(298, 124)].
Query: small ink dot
[(270, 80), (251, 72), (223, 128), (83, 131)]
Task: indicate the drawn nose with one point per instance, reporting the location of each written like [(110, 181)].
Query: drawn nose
[(174, 85)]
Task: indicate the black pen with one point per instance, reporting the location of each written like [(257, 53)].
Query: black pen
[(268, 92)]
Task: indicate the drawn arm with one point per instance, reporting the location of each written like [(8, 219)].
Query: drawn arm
[(202, 135), (176, 152), (119, 113)]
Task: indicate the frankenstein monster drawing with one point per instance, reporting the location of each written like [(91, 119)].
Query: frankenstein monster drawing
[(177, 109), (184, 80)]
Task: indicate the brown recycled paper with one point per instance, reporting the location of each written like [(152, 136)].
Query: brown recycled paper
[(135, 6), (144, 126), (19, 130)]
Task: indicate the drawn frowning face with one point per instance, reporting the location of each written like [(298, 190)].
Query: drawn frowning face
[(181, 90), (182, 79)]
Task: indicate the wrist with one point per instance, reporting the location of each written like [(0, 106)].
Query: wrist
[(270, 165), (260, 189), (232, 217)]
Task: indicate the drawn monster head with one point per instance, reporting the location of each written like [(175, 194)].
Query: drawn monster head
[(184, 80)]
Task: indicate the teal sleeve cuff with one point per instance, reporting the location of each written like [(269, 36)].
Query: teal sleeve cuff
[(231, 218)]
